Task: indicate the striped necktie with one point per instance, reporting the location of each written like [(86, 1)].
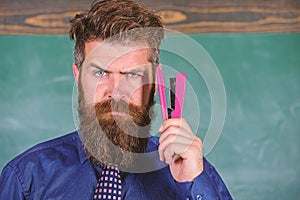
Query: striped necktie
[(109, 185)]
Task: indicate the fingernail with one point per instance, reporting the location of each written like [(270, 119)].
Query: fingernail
[(160, 128)]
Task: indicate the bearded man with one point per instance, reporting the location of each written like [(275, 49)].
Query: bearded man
[(113, 155)]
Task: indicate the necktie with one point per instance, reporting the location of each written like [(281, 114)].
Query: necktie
[(109, 185)]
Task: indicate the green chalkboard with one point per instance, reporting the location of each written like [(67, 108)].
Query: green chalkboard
[(257, 154)]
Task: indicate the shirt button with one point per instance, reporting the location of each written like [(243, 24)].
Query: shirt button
[(187, 198), (199, 197)]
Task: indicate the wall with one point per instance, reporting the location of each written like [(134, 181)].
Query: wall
[(258, 151)]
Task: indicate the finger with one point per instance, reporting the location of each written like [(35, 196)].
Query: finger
[(177, 122), (177, 138), (170, 140), (173, 150), (172, 130), (195, 148), (186, 151)]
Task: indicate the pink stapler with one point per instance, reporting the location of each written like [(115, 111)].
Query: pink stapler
[(177, 92)]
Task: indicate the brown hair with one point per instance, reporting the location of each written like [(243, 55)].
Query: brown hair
[(108, 18)]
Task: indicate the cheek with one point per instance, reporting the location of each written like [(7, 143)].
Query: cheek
[(97, 93), (142, 90), (136, 96), (140, 96), (91, 89)]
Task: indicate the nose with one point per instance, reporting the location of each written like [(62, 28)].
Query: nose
[(117, 90)]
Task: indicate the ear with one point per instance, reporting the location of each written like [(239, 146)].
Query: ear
[(75, 72), (160, 67)]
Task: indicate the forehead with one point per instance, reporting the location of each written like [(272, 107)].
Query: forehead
[(116, 55)]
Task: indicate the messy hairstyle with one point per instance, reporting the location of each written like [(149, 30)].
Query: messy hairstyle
[(109, 19)]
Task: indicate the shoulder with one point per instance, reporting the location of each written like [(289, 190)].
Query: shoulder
[(48, 150), (34, 169)]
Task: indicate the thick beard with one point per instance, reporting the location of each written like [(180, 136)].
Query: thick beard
[(113, 139)]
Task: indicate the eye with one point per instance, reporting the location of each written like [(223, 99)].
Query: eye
[(133, 75), (100, 73)]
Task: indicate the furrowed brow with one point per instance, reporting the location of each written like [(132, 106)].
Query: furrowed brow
[(94, 65), (135, 70)]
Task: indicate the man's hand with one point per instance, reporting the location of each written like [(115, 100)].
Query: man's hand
[(181, 149)]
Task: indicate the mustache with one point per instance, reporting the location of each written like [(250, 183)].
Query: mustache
[(139, 114), (111, 105)]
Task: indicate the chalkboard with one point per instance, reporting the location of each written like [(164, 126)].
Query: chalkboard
[(257, 153)]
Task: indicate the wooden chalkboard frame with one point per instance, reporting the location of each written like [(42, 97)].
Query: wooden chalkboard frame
[(189, 16)]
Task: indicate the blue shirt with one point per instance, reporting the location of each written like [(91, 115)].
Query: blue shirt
[(59, 169)]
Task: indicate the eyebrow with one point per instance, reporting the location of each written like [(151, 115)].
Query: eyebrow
[(98, 67), (133, 70)]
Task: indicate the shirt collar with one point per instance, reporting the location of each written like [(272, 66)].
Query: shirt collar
[(151, 146)]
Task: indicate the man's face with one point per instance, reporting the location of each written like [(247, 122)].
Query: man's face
[(111, 71), (115, 93)]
